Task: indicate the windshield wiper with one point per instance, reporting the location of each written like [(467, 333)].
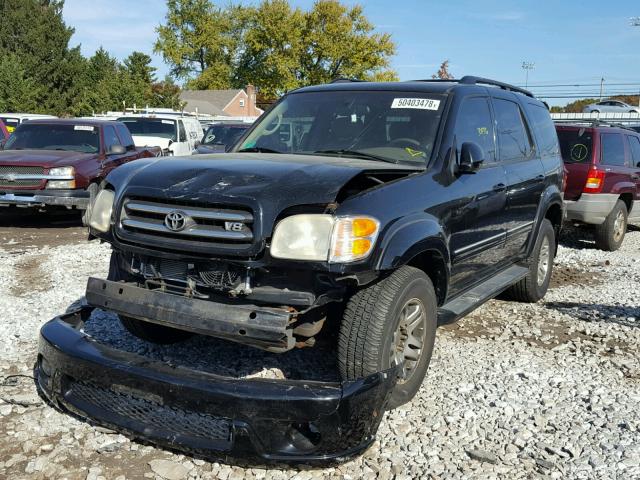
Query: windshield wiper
[(356, 153), (258, 150)]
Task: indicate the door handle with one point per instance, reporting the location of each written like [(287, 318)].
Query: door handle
[(500, 187), (635, 177)]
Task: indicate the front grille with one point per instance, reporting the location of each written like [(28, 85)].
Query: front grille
[(197, 223), (175, 420), (18, 170), (216, 275)]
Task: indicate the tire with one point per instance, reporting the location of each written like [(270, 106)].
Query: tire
[(534, 286), (147, 331), (371, 326), (86, 215), (610, 234)]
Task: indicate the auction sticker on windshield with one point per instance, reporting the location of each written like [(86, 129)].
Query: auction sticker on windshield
[(419, 103), (86, 128)]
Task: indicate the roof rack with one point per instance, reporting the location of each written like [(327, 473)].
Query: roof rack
[(471, 80), (593, 123)]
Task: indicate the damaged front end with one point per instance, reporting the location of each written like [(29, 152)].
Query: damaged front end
[(219, 417)]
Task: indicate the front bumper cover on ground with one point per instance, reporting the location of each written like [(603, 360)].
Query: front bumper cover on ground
[(219, 417)]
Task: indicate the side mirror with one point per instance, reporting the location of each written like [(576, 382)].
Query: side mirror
[(471, 157), (116, 150)]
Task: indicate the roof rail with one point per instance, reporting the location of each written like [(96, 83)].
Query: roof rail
[(471, 80), (346, 80)]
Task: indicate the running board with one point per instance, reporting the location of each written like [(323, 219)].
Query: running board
[(468, 301)]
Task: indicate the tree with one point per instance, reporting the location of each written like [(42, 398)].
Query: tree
[(166, 94), (34, 31), (271, 45), (18, 92), (443, 72), (138, 65)]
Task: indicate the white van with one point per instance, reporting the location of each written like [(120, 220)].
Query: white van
[(175, 135), (12, 120)]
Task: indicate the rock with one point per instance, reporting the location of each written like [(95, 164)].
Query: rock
[(168, 469), (482, 456)]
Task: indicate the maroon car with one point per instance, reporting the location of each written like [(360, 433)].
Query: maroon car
[(61, 162), (603, 182)]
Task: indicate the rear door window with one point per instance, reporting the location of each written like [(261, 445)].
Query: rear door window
[(514, 143), (182, 135), (634, 143), (544, 130), (612, 152), (576, 145), (474, 124)]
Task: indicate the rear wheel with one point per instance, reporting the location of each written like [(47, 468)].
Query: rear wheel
[(147, 331), (390, 323), (534, 286), (610, 234)]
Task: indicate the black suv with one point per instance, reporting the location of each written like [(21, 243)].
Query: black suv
[(398, 205)]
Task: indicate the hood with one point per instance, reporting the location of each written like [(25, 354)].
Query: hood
[(211, 148), (146, 141), (43, 158), (267, 183)]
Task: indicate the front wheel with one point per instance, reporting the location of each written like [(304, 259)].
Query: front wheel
[(534, 286), (390, 323), (610, 234)]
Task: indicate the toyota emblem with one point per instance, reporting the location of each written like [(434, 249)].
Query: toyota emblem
[(175, 221)]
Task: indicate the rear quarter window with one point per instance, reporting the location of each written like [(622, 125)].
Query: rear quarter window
[(612, 149), (544, 130)]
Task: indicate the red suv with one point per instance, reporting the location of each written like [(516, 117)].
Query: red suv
[(603, 179)]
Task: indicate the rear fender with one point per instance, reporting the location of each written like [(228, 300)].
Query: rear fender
[(550, 197)]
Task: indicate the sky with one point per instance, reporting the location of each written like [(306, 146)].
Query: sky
[(570, 42)]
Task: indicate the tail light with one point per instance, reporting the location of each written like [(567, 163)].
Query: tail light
[(595, 181)]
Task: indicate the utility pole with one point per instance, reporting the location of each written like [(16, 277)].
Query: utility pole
[(526, 66), (601, 87)]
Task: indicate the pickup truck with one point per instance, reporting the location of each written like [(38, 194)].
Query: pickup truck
[(54, 162), (383, 210)]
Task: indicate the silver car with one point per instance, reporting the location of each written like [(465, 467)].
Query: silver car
[(610, 106)]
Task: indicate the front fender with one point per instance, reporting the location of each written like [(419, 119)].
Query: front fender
[(410, 236)]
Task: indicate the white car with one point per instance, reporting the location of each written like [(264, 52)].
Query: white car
[(610, 106), (175, 135), (12, 120)]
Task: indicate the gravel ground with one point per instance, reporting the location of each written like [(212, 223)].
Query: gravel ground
[(514, 391)]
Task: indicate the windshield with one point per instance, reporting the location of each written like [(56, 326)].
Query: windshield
[(575, 145), (224, 134), (151, 127), (10, 123), (76, 138), (398, 127)]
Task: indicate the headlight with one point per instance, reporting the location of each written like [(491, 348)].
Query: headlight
[(324, 238), (62, 172), (303, 237), (101, 211), (66, 175)]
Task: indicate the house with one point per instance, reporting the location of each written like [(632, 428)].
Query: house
[(232, 103)]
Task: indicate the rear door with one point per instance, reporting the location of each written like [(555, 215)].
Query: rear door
[(614, 161), (477, 220), (524, 171)]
